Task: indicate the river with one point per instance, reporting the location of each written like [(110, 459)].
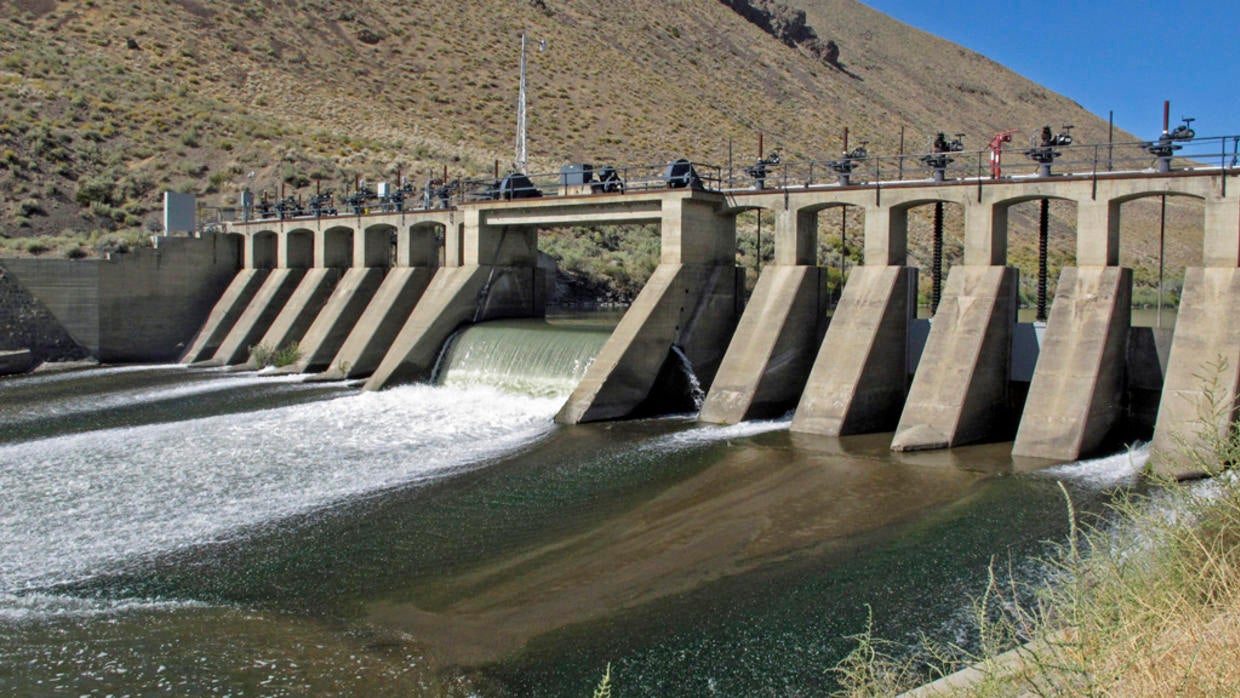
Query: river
[(177, 531)]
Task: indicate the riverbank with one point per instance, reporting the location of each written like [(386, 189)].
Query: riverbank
[(1146, 603)]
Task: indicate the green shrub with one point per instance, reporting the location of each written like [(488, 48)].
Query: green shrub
[(30, 207), (286, 356)]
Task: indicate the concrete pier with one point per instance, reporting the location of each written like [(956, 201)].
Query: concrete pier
[(1076, 396), (959, 394), (689, 303), (257, 318), (769, 357), (300, 311), (235, 299), (1199, 397), (688, 306), (339, 315), (860, 377)]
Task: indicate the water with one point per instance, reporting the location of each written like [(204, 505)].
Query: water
[(176, 531)]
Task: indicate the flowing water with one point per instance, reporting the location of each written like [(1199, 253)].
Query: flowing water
[(166, 531)]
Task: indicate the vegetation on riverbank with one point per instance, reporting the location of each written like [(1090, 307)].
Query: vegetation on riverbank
[(1147, 605)]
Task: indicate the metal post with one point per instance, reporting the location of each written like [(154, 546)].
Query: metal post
[(1110, 140), (1162, 247), (936, 263), (757, 249), (843, 251), (900, 175), (1043, 227)]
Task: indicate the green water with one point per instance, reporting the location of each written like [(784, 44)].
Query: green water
[(239, 536)]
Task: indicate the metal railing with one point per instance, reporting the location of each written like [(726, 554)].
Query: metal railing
[(1218, 153), (1131, 157)]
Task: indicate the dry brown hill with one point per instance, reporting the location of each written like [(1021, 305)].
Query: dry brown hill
[(111, 102)]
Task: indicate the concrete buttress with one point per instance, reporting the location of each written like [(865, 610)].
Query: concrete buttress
[(235, 299), (1076, 396), (690, 306), (860, 377), (300, 310), (339, 315), (455, 296), (959, 394), (769, 357), (257, 317), (689, 303), (385, 314), (1199, 396)]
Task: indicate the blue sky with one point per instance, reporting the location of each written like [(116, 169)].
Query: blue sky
[(1106, 54)]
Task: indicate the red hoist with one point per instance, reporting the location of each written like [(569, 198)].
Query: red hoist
[(996, 151)]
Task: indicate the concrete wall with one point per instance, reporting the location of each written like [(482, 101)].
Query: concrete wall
[(141, 306), (25, 323)]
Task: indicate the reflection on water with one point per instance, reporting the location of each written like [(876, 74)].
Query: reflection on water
[(258, 536)]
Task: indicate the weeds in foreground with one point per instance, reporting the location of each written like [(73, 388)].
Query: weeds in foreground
[(1146, 606)]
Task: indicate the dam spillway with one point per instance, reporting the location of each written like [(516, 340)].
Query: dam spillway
[(482, 261)]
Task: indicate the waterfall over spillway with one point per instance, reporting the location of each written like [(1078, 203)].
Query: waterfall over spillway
[(520, 356)]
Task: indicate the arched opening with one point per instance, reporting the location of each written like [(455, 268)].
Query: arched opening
[(839, 244), (338, 247), (300, 249), (264, 249), (599, 263), (1160, 233), (1041, 241), (422, 246), (755, 243), (231, 247), (934, 234), (379, 246)]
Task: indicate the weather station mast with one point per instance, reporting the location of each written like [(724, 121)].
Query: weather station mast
[(521, 164)]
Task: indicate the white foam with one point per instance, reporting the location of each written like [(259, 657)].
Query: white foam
[(709, 433), (86, 404), (1108, 471), (80, 505), (40, 606)]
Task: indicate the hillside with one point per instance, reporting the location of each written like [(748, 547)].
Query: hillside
[(112, 102)]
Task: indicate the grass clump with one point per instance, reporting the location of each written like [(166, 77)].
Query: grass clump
[(260, 355), (263, 355), (287, 355), (1148, 605)]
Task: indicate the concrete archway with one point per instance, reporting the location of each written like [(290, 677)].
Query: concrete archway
[(913, 223), (1019, 221), (299, 253), (264, 247), (232, 245), (338, 247), (378, 245), (421, 245), (1158, 242)]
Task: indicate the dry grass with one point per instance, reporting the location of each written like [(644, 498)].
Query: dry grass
[(1147, 606)]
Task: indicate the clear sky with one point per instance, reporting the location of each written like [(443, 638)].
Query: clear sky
[(1125, 56)]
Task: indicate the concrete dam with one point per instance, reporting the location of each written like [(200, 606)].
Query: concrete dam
[(377, 296)]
